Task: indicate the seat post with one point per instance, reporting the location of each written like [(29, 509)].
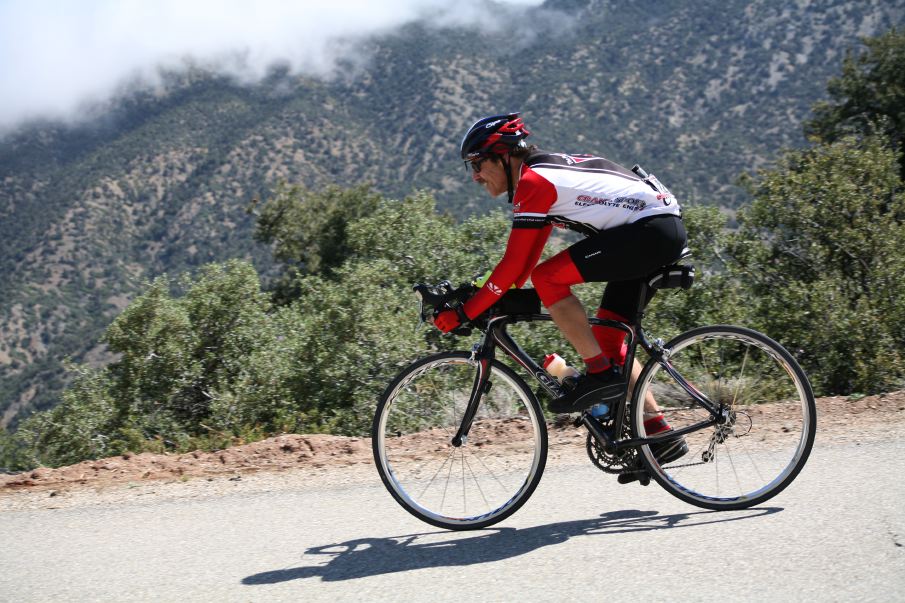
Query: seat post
[(643, 300)]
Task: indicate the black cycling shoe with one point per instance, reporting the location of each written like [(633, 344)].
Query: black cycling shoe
[(638, 475), (588, 390)]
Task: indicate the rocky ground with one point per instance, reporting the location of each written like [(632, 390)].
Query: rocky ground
[(300, 457)]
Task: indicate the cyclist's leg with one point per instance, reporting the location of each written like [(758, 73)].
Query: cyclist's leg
[(620, 302), (553, 280), (621, 257), (642, 248), (624, 253)]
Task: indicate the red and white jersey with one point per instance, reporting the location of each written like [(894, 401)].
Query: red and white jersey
[(584, 193), (580, 192)]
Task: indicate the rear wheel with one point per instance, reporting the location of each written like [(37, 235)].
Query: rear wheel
[(474, 485), (768, 432)]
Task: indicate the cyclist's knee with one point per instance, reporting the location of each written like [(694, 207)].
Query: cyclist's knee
[(553, 279)]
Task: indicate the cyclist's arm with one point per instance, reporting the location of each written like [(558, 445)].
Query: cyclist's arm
[(534, 256), (514, 264), (534, 196)]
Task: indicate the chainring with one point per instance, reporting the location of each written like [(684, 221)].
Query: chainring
[(618, 462)]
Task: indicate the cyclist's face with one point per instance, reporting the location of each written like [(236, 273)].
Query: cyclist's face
[(490, 174)]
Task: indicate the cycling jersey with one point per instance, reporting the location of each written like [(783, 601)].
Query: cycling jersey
[(584, 193), (580, 192)]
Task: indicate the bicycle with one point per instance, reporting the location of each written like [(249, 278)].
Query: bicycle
[(460, 440)]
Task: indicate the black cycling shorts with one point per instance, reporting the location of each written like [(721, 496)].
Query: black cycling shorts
[(623, 256)]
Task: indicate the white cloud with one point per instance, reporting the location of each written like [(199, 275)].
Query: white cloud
[(57, 55)]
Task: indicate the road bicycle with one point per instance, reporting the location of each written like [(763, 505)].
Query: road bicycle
[(460, 439)]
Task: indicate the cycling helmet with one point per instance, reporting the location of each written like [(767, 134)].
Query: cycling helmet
[(497, 134)]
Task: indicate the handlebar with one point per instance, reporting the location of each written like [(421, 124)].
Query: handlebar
[(442, 296)]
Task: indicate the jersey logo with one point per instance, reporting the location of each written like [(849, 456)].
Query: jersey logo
[(573, 159), (494, 289)]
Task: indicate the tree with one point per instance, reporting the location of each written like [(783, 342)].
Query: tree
[(202, 369), (307, 230), (820, 251), (869, 95), (219, 363), (352, 331)]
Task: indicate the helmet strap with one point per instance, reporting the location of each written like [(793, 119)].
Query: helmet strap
[(508, 169)]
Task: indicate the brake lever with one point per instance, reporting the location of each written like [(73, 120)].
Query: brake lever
[(421, 317)]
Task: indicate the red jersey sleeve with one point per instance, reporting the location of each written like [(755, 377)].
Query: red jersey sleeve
[(533, 199), (534, 255), (519, 249)]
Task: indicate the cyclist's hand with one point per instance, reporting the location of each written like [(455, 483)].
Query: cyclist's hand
[(447, 320)]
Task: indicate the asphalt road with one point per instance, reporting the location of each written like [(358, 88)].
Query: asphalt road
[(836, 534)]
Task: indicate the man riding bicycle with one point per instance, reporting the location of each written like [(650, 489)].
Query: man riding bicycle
[(631, 226)]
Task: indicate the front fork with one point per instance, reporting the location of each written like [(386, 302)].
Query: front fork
[(482, 355), (480, 387)]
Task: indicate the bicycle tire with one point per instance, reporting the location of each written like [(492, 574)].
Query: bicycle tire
[(496, 470), (772, 418)]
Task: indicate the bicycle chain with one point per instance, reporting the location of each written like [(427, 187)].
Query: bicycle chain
[(626, 462)]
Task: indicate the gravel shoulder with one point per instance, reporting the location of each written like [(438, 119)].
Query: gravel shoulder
[(304, 461)]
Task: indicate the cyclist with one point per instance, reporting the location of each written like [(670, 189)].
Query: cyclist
[(631, 227)]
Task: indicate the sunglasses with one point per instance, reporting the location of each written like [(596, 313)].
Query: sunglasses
[(476, 164)]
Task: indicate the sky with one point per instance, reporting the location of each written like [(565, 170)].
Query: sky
[(58, 57)]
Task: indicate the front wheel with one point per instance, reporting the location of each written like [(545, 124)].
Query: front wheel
[(770, 421), (478, 483)]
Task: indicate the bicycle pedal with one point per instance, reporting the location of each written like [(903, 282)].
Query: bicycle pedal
[(642, 477)]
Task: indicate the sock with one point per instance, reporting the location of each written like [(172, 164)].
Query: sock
[(656, 425), (611, 341), (597, 364)]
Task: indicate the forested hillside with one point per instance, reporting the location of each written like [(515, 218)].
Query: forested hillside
[(697, 92)]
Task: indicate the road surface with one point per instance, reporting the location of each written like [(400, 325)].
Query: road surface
[(836, 534)]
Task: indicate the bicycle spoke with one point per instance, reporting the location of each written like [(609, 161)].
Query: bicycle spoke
[(438, 473), (752, 460), (477, 483), (492, 473)]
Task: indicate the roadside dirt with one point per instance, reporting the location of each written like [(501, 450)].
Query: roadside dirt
[(839, 419)]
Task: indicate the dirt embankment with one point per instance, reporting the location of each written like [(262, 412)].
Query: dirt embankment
[(839, 418)]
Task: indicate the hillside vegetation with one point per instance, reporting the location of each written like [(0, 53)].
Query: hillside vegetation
[(698, 92), (816, 262), (90, 215)]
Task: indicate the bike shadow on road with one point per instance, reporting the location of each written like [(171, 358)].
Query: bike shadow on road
[(365, 557)]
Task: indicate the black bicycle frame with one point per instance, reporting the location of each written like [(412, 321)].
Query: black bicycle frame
[(496, 335)]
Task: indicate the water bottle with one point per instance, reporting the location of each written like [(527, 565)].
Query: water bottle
[(557, 367), (600, 411)]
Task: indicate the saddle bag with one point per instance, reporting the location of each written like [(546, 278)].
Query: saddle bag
[(672, 277)]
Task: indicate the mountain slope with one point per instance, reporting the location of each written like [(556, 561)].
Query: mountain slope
[(697, 92)]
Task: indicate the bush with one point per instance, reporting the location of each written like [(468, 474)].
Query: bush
[(820, 254)]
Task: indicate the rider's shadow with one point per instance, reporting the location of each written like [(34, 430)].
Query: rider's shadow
[(373, 556)]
